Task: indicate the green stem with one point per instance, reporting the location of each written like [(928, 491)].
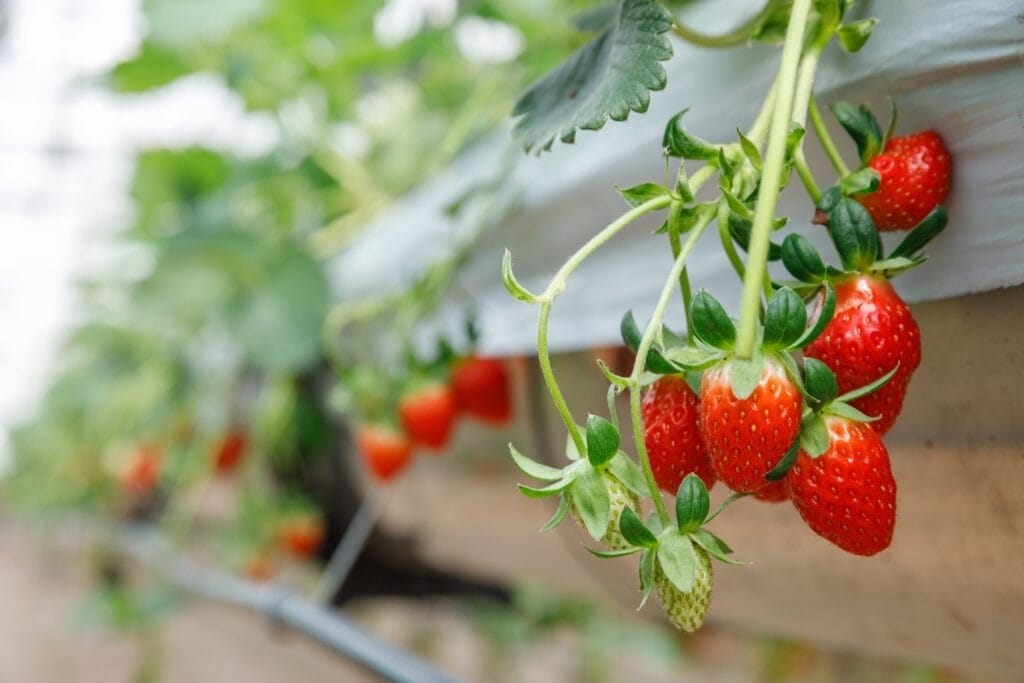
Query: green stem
[(557, 286), (702, 175), (684, 282), (727, 243), (735, 37), (771, 181), (801, 102), (826, 140), (804, 171), (544, 358), (653, 327), (760, 126)]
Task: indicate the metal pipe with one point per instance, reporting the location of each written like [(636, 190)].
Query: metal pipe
[(282, 605), (350, 546)]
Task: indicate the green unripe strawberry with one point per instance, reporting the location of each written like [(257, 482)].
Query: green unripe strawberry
[(619, 497), (687, 610)]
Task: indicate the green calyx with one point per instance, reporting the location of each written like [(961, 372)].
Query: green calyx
[(856, 240), (862, 126), (676, 550), (594, 486), (820, 390)]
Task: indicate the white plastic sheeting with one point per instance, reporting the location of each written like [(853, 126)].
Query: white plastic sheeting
[(955, 67)]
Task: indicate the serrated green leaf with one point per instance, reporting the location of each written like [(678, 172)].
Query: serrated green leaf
[(602, 440), (596, 19), (608, 77), (820, 381), (627, 471), (644, 192), (925, 231), (532, 468), (646, 572), (813, 435), (679, 142), (559, 516), (711, 324), (590, 497), (853, 36), (785, 319), (678, 560), (634, 531), (745, 373), (714, 546), (692, 503)]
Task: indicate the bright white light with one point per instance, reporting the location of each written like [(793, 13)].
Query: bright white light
[(484, 41), (400, 20), (349, 140)]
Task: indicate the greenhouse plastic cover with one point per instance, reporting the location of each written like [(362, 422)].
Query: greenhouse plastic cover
[(956, 67)]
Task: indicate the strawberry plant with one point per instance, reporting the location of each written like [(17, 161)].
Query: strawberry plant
[(778, 404)]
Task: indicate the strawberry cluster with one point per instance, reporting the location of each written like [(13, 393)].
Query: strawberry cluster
[(798, 418), (427, 411), (810, 430)]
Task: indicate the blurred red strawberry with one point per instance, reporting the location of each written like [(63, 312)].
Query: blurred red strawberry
[(482, 390), (229, 451)]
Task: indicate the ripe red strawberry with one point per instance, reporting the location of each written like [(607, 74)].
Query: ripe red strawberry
[(385, 450), (301, 537), (774, 492), (142, 471), (915, 172), (481, 389), (229, 451), (428, 415), (746, 438), (671, 415), (848, 495), (872, 330)]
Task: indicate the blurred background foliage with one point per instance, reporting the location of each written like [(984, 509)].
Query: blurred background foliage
[(217, 307)]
